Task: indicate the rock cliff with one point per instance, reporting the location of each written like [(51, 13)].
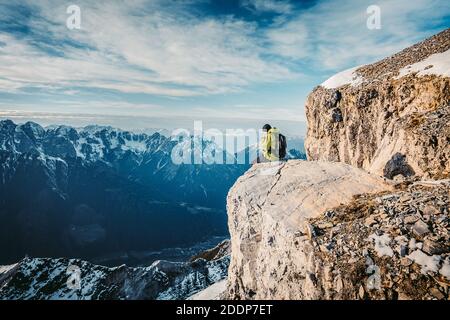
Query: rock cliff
[(269, 208), (389, 117), (322, 230), (368, 216)]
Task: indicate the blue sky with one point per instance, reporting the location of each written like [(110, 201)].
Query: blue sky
[(191, 59)]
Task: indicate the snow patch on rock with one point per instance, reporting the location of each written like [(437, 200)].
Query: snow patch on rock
[(343, 78), (445, 270), (436, 64), (382, 245), (5, 269), (211, 293), (428, 263)]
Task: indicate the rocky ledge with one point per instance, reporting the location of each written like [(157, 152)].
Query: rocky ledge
[(321, 230)]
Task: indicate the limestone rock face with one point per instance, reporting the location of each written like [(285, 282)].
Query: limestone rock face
[(268, 210), (322, 230), (398, 107)]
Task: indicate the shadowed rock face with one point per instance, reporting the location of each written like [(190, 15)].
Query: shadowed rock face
[(218, 252), (397, 165), (389, 110)]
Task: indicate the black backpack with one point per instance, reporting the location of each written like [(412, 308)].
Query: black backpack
[(282, 146)]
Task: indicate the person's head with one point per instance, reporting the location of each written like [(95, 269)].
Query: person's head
[(267, 127)]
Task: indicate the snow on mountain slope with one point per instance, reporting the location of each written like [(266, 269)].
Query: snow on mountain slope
[(5, 269), (53, 279), (213, 292), (437, 64), (343, 78)]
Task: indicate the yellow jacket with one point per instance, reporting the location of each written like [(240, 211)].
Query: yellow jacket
[(271, 142)]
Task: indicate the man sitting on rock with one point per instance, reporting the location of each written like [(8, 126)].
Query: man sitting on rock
[(273, 145)]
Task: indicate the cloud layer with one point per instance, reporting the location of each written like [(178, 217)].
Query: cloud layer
[(136, 47), (184, 50), (333, 34)]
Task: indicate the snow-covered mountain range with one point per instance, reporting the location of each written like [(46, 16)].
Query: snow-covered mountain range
[(98, 190)]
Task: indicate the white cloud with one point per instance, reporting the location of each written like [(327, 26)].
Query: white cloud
[(333, 35), (255, 112), (150, 47), (277, 6), (139, 49), (290, 40)]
